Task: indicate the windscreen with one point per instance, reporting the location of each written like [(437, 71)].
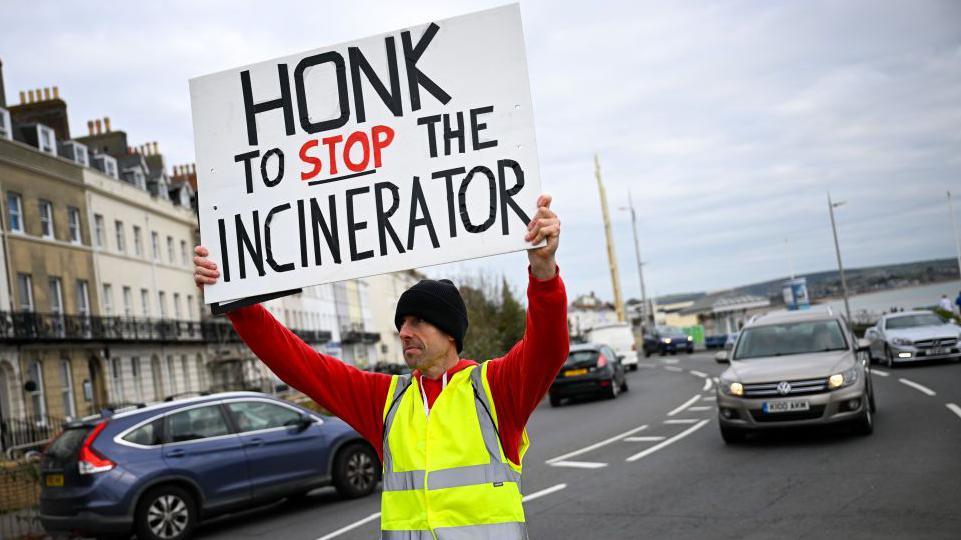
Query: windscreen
[(912, 321), (790, 338)]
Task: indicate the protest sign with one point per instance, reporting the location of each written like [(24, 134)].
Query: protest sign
[(403, 150)]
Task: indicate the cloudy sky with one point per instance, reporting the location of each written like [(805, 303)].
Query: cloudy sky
[(727, 121)]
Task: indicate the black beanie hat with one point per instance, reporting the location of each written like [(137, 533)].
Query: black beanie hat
[(437, 302)]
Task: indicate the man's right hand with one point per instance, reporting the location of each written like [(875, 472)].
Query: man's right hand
[(205, 270)]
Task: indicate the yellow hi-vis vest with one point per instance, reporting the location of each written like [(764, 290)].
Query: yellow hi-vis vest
[(446, 476)]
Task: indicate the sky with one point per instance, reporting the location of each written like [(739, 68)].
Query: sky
[(727, 122)]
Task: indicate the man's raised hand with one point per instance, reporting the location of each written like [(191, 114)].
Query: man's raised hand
[(543, 226), (205, 270)]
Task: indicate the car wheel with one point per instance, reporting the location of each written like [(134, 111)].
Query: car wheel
[(732, 435), (614, 389), (166, 513), (624, 387), (888, 357), (864, 425), (633, 367), (355, 471), (554, 400)]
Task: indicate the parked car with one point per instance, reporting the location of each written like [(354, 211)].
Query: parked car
[(913, 336), (795, 368), (590, 369), (157, 471), (715, 341), (667, 340), (619, 337)]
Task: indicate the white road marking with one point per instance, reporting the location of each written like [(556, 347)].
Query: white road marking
[(541, 493), (670, 441), (684, 405), (955, 409), (579, 464), (644, 439), (701, 408), (717, 381), (675, 369), (709, 398), (669, 360), (920, 388), (595, 446), (707, 384), (877, 371), (350, 527), (644, 364), (681, 421), (699, 374)]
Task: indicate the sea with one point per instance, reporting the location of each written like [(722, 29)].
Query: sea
[(869, 306)]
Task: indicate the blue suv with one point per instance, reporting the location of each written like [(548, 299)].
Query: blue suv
[(157, 471)]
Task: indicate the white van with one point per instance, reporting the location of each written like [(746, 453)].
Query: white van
[(618, 336)]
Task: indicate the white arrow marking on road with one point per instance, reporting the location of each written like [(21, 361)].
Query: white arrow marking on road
[(879, 372), (955, 409), (595, 446), (920, 388), (541, 493), (675, 369), (681, 421), (701, 408), (699, 374), (707, 384), (350, 527), (579, 464), (672, 440), (709, 398), (644, 439), (684, 405)]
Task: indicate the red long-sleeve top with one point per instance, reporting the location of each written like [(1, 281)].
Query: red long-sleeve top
[(518, 380)]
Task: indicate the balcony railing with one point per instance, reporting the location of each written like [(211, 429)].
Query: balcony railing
[(26, 327)]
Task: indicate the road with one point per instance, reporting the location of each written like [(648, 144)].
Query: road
[(651, 464)]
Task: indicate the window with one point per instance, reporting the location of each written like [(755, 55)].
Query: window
[(127, 302), (116, 379), (177, 312), (201, 372), (56, 295), (6, 131), (186, 370), (83, 297), (162, 301), (257, 415), (137, 379), (98, 230), (145, 303), (190, 306), (172, 375), (170, 250), (35, 374), (121, 238), (183, 252), (137, 242), (197, 423), (46, 219), (47, 140), (155, 245), (107, 299), (146, 435), (73, 222), (25, 292), (15, 211), (66, 389)]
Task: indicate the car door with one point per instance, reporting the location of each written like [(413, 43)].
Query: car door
[(199, 443), (611, 354), (283, 456)]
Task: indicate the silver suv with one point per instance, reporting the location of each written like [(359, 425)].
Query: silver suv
[(795, 368)]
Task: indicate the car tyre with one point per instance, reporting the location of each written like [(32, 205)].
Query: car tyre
[(633, 367), (864, 425), (624, 387), (166, 513), (732, 435), (614, 389), (355, 471), (888, 357), (554, 400)]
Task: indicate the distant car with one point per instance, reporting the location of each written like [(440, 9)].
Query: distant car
[(912, 336), (590, 369), (716, 341), (667, 340), (157, 471), (620, 337), (731, 340), (795, 368)]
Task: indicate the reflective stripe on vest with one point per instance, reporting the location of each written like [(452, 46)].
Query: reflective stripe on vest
[(461, 498)]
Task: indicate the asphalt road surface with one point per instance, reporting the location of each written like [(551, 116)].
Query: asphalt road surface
[(651, 464)]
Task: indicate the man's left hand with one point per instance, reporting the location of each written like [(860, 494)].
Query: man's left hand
[(543, 226)]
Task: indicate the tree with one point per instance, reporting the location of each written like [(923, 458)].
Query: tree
[(496, 317)]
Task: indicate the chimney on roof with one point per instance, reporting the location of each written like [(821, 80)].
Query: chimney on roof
[(156, 149), (23, 97), (96, 124), (56, 92), (89, 127), (29, 96), (39, 93), (46, 93), (106, 119)]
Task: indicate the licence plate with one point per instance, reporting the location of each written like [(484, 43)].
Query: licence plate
[(54, 480), (936, 351), (575, 372), (785, 406)]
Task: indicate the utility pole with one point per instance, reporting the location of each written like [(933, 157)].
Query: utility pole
[(612, 259), (837, 250), (640, 265), (957, 235)]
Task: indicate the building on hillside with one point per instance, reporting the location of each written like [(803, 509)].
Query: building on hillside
[(587, 311), (386, 289), (726, 312)]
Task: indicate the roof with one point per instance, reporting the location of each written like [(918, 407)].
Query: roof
[(730, 300), (181, 402), (907, 313), (784, 316)]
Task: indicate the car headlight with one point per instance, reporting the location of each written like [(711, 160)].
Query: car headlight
[(732, 388), (666, 340), (901, 341), (845, 378), (689, 338)]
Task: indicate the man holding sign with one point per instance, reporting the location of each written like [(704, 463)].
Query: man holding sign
[(451, 434)]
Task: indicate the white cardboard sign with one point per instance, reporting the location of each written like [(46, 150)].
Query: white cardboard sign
[(398, 151)]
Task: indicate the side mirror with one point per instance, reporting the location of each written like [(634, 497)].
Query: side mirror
[(864, 344), (721, 357), (303, 422)]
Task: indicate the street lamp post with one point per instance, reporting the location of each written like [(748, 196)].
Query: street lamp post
[(637, 254), (837, 250)]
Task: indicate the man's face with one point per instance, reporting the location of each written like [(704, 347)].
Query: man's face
[(423, 343)]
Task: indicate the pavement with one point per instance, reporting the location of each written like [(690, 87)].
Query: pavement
[(651, 464)]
